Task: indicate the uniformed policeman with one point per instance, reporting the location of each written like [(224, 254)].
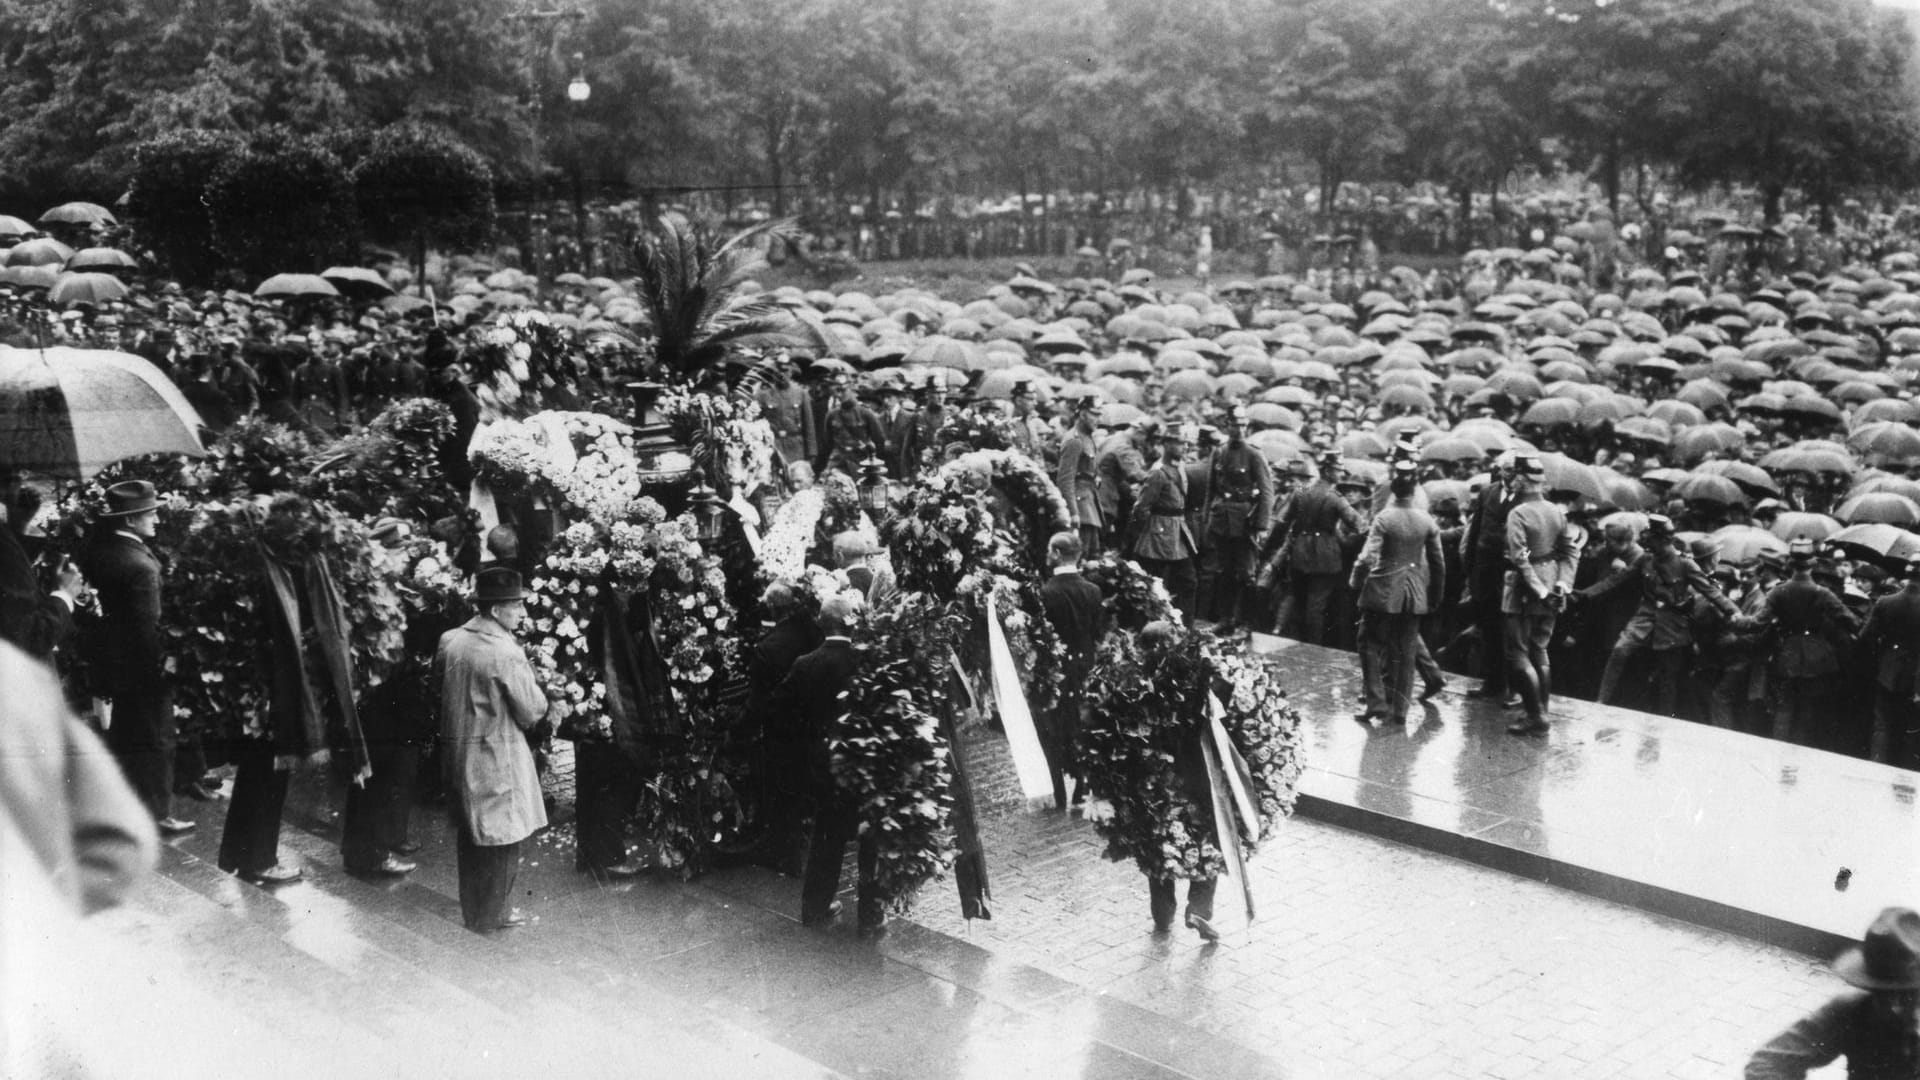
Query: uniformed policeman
[(1810, 627), (1313, 521), (1239, 511), (1163, 544)]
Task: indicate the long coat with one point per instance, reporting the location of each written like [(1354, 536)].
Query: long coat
[(1078, 479), (1893, 631), (1313, 519), (489, 698), (809, 701), (1402, 569), (1160, 517), (1810, 627), (789, 412), (126, 644)]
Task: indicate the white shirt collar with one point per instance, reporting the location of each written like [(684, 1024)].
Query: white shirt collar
[(131, 535), (841, 638), (1069, 568)]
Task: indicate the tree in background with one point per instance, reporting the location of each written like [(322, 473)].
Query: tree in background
[(284, 204), (418, 184), (170, 178)]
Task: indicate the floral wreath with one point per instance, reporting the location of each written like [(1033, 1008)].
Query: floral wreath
[(890, 750), (585, 460), (1145, 714)]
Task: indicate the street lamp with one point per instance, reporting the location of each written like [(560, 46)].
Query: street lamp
[(873, 486), (578, 91), (707, 512)]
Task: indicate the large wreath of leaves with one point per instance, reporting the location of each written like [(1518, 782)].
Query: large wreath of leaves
[(889, 750), (1146, 714)]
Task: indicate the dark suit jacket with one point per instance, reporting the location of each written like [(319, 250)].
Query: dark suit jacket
[(127, 644), (1810, 627), (30, 617), (850, 435), (808, 703), (1073, 606), (767, 666), (1893, 631), (1401, 569)]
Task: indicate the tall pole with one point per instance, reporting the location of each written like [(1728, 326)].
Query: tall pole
[(543, 39)]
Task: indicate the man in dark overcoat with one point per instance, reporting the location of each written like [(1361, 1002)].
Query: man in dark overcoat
[(1893, 633), (1073, 607), (809, 698), (127, 646), (1313, 521)]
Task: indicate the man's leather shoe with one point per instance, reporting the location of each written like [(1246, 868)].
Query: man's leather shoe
[(832, 912), (173, 826), (619, 871), (408, 848), (1202, 927), (1529, 727), (1367, 717), (273, 875), (1433, 690), (395, 866), (515, 918)]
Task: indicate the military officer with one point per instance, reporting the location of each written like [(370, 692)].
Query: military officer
[(1163, 543), (1239, 511)]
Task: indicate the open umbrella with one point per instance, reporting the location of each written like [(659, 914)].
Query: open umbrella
[(1888, 545), (1693, 444), (1899, 485), (1811, 408), (1362, 444), (78, 213), (30, 277), (296, 286), (1452, 448), (72, 412), (1190, 385), (1566, 474), (1809, 459), (1621, 491), (41, 251), (1745, 543), (1708, 488), (1405, 397), (1885, 441), (359, 282), (1268, 415), (11, 227), (100, 258), (1645, 429), (1752, 479), (1551, 412), (1880, 507), (74, 289), (1794, 525)]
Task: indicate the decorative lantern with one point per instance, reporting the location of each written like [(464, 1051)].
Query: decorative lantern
[(708, 512), (873, 485)]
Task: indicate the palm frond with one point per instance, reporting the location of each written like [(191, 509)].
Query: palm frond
[(689, 283)]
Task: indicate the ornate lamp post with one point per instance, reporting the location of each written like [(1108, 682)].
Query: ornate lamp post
[(578, 91), (708, 512)]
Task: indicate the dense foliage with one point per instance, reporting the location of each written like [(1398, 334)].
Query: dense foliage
[(283, 204), (898, 103)]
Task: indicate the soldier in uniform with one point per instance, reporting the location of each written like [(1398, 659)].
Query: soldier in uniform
[(1893, 633), (1810, 627), (1312, 522), (1239, 510), (1120, 468), (1668, 579), (1076, 476), (852, 431), (789, 412), (1484, 561), (1400, 574), (1543, 551), (1163, 543), (923, 443)]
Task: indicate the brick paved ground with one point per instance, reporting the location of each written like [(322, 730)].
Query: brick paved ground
[(1371, 959)]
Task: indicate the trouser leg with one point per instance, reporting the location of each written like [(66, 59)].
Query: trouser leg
[(1402, 633), (487, 875), (1423, 661), (1090, 540), (1522, 673), (832, 828), (1200, 897), (1617, 663), (1728, 698), (1488, 585), (250, 842), (1374, 634), (1163, 901), (141, 736), (867, 863), (1669, 668), (1316, 612)]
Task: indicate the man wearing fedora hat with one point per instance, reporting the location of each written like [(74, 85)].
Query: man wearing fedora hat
[(1876, 1027), (128, 646), (489, 699)]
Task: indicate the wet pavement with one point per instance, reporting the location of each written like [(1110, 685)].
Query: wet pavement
[(1729, 830), (1371, 958)]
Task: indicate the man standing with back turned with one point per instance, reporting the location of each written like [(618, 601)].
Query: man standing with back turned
[(489, 699)]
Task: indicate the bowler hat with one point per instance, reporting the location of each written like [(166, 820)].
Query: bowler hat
[(130, 497), (1888, 957), (497, 585)]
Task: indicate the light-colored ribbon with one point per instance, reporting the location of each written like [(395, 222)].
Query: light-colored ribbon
[(1029, 759)]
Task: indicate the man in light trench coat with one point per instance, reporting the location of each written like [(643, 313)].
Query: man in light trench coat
[(489, 699)]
